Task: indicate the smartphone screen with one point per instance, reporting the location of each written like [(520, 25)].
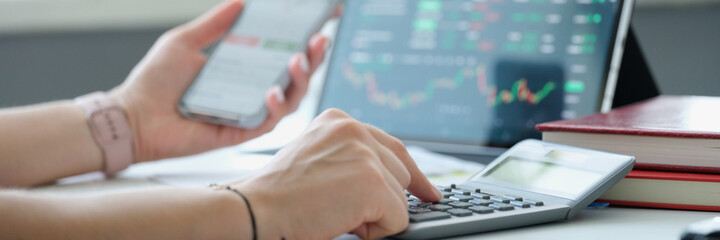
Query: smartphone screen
[(253, 56)]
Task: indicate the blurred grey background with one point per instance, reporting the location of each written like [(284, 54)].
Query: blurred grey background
[(58, 49)]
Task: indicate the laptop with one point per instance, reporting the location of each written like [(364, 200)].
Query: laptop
[(474, 76)]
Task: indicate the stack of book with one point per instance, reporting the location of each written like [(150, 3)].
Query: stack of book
[(676, 142)]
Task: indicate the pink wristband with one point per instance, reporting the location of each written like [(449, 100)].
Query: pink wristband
[(111, 130)]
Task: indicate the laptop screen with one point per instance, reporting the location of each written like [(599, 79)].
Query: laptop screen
[(474, 72)]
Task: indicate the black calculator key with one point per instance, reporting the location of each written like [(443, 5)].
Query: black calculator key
[(520, 204), (419, 204), (502, 206), (453, 185), (480, 196), (444, 188), (415, 210), (461, 191), (499, 199), (440, 207), (536, 203), (513, 198), (460, 212), (444, 201), (481, 202), (460, 204), (477, 190), (428, 216), (447, 194), (481, 209), (461, 198)]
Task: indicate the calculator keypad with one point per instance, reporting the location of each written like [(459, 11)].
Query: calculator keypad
[(499, 199), (481, 209), (461, 198), (502, 206), (460, 212), (440, 207), (428, 216), (447, 194), (482, 202), (460, 205), (460, 202), (461, 191), (520, 204)]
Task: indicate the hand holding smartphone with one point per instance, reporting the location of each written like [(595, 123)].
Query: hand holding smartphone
[(251, 58)]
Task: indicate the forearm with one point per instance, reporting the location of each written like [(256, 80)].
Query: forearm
[(153, 214), (41, 143)]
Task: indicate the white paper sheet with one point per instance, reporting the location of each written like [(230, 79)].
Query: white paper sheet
[(443, 169)]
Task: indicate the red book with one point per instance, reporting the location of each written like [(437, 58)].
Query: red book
[(690, 191), (667, 133)]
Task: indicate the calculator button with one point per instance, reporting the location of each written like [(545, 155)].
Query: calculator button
[(481, 209), (481, 202), (461, 191), (419, 204), (447, 194), (502, 206), (415, 210), (428, 216), (444, 188), (440, 207), (460, 212), (520, 204), (513, 198), (477, 190), (536, 203), (460, 204), (480, 196), (444, 201), (499, 199), (461, 198), (453, 185)]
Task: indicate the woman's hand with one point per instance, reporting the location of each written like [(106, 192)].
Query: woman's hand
[(339, 176), (152, 90)]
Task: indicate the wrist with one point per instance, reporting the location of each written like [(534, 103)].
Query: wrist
[(234, 216), (268, 224), (110, 129), (123, 101)]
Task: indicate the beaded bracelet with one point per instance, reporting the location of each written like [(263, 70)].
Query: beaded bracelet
[(247, 203)]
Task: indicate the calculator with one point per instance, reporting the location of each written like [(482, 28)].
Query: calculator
[(533, 182)]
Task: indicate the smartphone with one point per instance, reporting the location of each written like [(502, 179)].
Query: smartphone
[(251, 58)]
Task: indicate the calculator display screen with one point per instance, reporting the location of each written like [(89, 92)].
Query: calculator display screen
[(546, 175)]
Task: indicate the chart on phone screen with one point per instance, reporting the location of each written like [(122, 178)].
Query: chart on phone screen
[(255, 53), (469, 64)]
